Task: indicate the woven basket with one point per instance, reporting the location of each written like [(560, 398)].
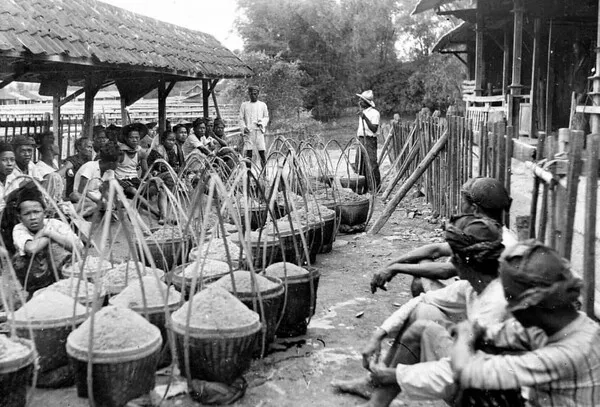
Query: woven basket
[(329, 232), (50, 338), (300, 304), (14, 377), (272, 305), (117, 376), (184, 285), (219, 356), (276, 249), (354, 213), (168, 252), (357, 183)]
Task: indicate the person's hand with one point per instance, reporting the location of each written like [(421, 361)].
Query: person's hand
[(382, 374), (372, 350), (380, 278)]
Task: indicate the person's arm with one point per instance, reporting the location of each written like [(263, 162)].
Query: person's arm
[(371, 126), (63, 240), (143, 163), (62, 171), (264, 120), (438, 271), (95, 197), (219, 140), (243, 124), (37, 244), (430, 251)]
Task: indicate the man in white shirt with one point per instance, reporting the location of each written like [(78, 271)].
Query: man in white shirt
[(254, 118), (368, 125), (23, 146)]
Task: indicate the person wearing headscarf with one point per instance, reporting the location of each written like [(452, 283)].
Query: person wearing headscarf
[(421, 326), (484, 196), (541, 290)]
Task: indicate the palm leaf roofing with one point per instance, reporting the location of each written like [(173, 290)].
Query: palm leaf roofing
[(36, 35)]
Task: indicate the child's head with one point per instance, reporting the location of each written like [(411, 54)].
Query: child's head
[(31, 209), (7, 159), (109, 155)]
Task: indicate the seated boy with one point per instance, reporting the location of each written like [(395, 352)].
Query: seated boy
[(88, 179), (43, 246)]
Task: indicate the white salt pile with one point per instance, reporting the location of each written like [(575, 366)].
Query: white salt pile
[(155, 293), (280, 269), (48, 306), (243, 282)]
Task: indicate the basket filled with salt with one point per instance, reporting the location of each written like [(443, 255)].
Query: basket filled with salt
[(354, 208), (89, 268), (81, 290), (216, 249), (301, 286), (118, 277), (156, 295), (17, 358), (124, 355), (168, 247), (51, 316), (222, 335), (252, 289), (205, 271)]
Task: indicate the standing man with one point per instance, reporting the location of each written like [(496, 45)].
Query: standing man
[(254, 118), (368, 125)]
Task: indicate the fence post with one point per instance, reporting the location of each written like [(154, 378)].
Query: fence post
[(575, 165), (591, 200)]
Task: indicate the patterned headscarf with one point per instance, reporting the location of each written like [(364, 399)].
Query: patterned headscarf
[(539, 275), (488, 193), (474, 238)]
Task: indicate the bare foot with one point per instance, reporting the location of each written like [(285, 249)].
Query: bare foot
[(362, 387)]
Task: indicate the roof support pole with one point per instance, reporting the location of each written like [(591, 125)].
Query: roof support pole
[(56, 122), (162, 106), (124, 113), (91, 88), (549, 81), (205, 95), (506, 60), (214, 96), (535, 75), (479, 68), (595, 118), (515, 87)]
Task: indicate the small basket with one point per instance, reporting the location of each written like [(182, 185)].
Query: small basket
[(50, 338), (117, 376), (300, 304), (14, 377), (219, 356), (168, 252), (354, 213)]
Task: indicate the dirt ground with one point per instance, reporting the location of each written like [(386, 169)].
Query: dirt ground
[(299, 371)]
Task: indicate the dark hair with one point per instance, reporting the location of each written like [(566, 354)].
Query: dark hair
[(164, 135), (79, 142), (4, 147), (218, 120), (109, 152), (30, 193)]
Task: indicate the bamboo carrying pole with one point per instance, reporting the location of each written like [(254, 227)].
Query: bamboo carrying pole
[(408, 184), (589, 244)]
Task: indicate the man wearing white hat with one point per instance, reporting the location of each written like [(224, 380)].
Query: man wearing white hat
[(368, 125)]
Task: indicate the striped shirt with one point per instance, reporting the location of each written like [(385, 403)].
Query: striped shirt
[(564, 373)]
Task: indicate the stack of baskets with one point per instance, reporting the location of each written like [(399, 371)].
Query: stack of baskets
[(51, 317), (17, 358), (220, 333), (301, 297), (254, 290), (124, 356), (156, 295)]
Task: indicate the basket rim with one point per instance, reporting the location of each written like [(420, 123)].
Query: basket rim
[(119, 355), (214, 333), (303, 278), (12, 365), (175, 274), (267, 294), (355, 203), (151, 309), (49, 323)]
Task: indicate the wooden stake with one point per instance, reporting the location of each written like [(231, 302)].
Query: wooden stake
[(589, 243), (408, 184), (575, 165), (536, 187)]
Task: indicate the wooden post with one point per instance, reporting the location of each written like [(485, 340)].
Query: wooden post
[(91, 89), (506, 60), (162, 106), (536, 187), (205, 97), (408, 184), (214, 96), (124, 114), (549, 81), (510, 132), (56, 122), (515, 87), (589, 243), (575, 165), (535, 68), (501, 149), (595, 118), (479, 69)]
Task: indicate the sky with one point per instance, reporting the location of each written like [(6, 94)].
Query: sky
[(214, 17)]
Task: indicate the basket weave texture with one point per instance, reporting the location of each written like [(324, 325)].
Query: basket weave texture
[(14, 377), (167, 253), (298, 306), (354, 213), (50, 345)]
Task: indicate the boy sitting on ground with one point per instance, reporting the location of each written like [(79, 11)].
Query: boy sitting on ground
[(43, 245)]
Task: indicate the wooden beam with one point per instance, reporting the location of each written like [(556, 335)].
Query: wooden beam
[(408, 184), (589, 231), (549, 80), (72, 96), (479, 68), (214, 97), (535, 74), (162, 106), (205, 95), (515, 86), (92, 85), (506, 60), (124, 113), (595, 119), (56, 122), (575, 165)]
